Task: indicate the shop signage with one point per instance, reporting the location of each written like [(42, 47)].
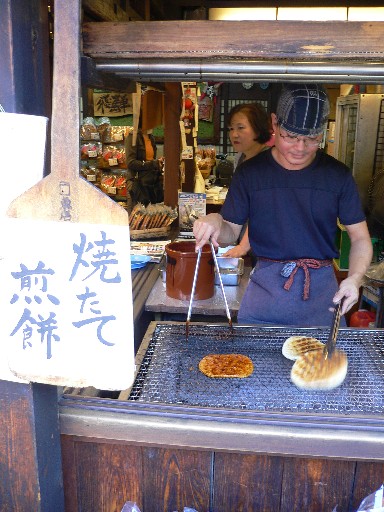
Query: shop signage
[(112, 104), (66, 302)]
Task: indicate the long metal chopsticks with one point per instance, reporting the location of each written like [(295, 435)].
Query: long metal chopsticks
[(221, 284), (192, 293), (331, 342), (194, 287)]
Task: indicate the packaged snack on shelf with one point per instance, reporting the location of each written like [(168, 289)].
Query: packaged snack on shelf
[(91, 150), (89, 173), (88, 129), (110, 134), (205, 159), (118, 133), (105, 129), (151, 221), (107, 184), (121, 185), (113, 156)]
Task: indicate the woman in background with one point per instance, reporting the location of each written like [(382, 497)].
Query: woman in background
[(144, 169), (250, 131)]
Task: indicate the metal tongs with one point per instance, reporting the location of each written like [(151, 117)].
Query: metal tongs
[(192, 293), (221, 286), (194, 287), (331, 342)]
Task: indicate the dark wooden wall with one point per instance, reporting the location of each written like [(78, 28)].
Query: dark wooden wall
[(30, 457), (101, 477), (30, 469)]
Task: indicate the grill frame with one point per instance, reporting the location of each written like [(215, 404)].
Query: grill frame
[(347, 437), (170, 365)]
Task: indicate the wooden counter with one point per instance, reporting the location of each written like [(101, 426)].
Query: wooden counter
[(219, 460), (162, 306)]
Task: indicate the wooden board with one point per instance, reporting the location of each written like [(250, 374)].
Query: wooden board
[(336, 40), (78, 240), (64, 195)]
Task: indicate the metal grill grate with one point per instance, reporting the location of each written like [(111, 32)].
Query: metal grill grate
[(169, 372)]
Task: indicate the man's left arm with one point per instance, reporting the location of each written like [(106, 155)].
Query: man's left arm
[(360, 257)]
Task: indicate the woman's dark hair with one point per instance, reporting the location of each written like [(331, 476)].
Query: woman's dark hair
[(257, 117)]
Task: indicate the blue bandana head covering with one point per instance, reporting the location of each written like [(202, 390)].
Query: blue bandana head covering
[(303, 109)]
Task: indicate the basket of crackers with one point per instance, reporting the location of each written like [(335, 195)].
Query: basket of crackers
[(152, 221)]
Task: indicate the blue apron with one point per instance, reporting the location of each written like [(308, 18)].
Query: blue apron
[(266, 301)]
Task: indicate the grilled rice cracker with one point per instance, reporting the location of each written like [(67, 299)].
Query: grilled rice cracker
[(226, 366), (295, 346), (315, 372)]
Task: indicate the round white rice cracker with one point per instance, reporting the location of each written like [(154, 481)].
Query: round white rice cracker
[(295, 346), (314, 371)]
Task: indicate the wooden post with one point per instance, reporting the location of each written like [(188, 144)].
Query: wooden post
[(172, 108), (30, 454)]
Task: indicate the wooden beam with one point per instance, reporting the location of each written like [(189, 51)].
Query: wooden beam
[(109, 10), (94, 79), (317, 41)]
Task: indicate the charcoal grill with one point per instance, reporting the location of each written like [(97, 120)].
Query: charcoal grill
[(169, 371), (172, 404)]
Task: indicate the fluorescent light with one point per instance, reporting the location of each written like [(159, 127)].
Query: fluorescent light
[(298, 13), (242, 13), (312, 13), (366, 14)]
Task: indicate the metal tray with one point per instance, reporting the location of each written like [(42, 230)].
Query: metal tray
[(169, 372), (231, 270)]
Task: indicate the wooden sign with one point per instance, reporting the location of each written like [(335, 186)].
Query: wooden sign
[(66, 306), (112, 104)]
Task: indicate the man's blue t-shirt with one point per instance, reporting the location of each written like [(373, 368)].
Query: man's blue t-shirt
[(293, 214)]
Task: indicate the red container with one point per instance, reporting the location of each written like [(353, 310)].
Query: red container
[(361, 318), (180, 270)]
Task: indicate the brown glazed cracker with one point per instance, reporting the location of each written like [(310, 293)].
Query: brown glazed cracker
[(226, 366)]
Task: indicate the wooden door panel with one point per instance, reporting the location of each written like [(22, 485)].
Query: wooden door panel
[(369, 477), (174, 479), (69, 473), (108, 475), (248, 483), (316, 485)]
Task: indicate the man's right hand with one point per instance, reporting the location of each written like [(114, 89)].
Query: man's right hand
[(207, 228)]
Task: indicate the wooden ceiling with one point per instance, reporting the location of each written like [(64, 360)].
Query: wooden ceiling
[(123, 44)]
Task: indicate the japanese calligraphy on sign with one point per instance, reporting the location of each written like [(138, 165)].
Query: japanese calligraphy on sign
[(67, 303), (112, 104)]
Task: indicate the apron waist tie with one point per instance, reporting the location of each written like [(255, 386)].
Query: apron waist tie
[(292, 266)]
